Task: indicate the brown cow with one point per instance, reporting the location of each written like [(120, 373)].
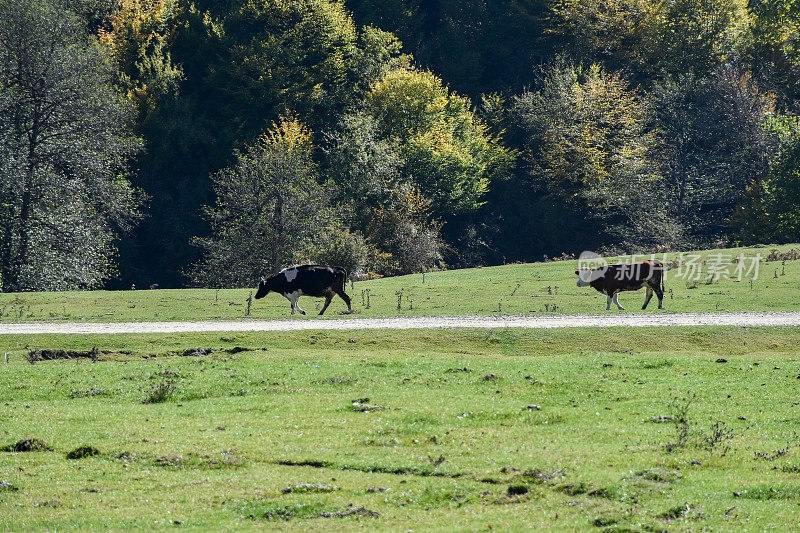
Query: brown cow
[(613, 279)]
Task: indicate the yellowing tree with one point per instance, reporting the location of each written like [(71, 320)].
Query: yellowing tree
[(656, 37), (590, 150), (269, 208), (137, 44), (448, 153)]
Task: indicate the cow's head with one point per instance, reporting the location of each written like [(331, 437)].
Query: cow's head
[(587, 275), (262, 289)]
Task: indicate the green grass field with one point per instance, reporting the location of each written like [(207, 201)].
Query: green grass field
[(657, 429), (417, 430), (536, 288)]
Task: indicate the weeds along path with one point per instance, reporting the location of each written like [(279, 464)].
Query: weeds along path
[(791, 318)]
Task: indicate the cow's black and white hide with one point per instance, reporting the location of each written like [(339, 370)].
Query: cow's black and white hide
[(307, 280)]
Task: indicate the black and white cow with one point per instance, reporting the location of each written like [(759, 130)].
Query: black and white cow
[(307, 280)]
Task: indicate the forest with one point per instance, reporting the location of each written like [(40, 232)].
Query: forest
[(213, 142)]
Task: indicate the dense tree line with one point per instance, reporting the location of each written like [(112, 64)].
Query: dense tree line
[(211, 142), (65, 141)]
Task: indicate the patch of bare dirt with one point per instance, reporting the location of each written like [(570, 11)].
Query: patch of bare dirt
[(50, 355), (27, 445)]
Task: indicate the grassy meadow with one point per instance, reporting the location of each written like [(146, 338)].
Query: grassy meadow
[(706, 281), (658, 429)]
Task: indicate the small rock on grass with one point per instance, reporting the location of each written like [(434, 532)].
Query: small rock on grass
[(517, 490), (7, 487), (366, 407), (309, 487)]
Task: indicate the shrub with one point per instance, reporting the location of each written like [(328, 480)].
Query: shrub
[(160, 393), (82, 452), (336, 245)]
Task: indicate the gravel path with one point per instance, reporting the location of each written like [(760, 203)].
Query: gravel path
[(418, 322)]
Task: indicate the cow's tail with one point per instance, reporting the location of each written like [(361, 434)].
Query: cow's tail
[(343, 272), (663, 275)]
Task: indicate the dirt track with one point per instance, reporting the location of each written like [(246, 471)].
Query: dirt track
[(421, 322)]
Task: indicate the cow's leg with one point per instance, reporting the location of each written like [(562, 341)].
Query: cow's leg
[(340, 291), (297, 306), (608, 303), (660, 295), (328, 298), (616, 301), (292, 302), (292, 297), (648, 297), (345, 297)]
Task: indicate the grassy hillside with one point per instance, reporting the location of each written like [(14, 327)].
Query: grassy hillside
[(533, 288), (517, 430)]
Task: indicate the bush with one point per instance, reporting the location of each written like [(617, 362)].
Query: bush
[(160, 393), (82, 452), (407, 236), (338, 246), (417, 247)]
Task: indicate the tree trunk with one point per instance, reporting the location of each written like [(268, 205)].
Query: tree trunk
[(277, 226), (683, 178), (5, 260), (24, 238), (27, 204)]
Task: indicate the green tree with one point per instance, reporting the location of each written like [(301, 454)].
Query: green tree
[(364, 165), (303, 56), (402, 236), (774, 51), (476, 45), (65, 140), (772, 210), (655, 38), (714, 144), (782, 189), (447, 152), (209, 78), (269, 209), (415, 156), (590, 150), (163, 51)]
